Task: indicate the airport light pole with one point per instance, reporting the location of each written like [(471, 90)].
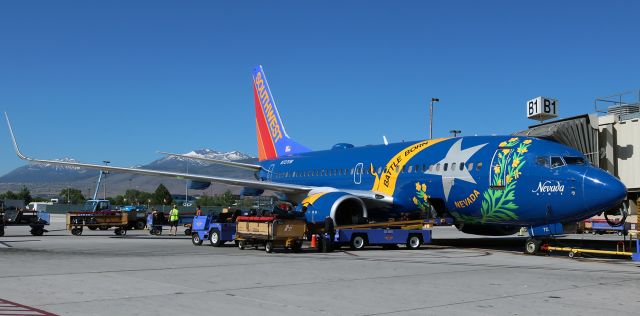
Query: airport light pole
[(455, 132), (431, 116), (104, 186)]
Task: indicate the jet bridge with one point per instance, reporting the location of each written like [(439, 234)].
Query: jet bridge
[(579, 132)]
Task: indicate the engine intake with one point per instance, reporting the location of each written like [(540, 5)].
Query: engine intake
[(342, 207)]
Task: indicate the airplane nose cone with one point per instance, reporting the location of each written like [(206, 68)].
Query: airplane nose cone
[(602, 191)]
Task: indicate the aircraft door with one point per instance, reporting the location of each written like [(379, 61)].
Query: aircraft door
[(357, 173)]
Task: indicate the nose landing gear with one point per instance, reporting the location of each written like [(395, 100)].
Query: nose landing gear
[(532, 246)]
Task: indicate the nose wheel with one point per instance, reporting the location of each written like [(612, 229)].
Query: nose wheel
[(532, 246)]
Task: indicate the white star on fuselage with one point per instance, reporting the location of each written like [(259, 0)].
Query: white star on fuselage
[(455, 155)]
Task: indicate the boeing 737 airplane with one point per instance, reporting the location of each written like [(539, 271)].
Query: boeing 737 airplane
[(490, 185)]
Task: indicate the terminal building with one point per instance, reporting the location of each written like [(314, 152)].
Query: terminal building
[(609, 138)]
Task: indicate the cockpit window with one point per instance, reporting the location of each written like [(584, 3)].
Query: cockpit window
[(574, 160), (543, 161), (556, 162)]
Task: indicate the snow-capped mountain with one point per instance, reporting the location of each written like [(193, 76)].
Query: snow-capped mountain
[(209, 154), (36, 166)]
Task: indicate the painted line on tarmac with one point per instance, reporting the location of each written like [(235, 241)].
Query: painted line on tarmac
[(5, 245), (12, 308)]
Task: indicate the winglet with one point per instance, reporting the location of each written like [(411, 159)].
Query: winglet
[(13, 137)]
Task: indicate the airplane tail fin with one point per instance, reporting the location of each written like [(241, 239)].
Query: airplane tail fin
[(273, 141)]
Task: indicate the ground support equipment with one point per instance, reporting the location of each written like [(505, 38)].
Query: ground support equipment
[(34, 219), (270, 232), (600, 226), (156, 223), (620, 251), (102, 220), (207, 228), (412, 234)]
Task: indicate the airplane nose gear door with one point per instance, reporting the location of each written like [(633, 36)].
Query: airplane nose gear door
[(357, 173)]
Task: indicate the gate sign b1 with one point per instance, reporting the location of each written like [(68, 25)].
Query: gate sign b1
[(542, 108)]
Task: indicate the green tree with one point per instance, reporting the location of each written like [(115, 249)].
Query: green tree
[(25, 195), (227, 199), (162, 195), (72, 196), (9, 195), (206, 200), (134, 197)]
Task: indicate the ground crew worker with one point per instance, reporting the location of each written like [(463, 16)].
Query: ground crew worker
[(198, 211), (173, 220)]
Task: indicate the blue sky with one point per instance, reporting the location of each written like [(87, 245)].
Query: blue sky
[(118, 80)]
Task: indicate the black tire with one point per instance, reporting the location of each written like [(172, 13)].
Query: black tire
[(37, 231), (414, 242), (296, 246), (158, 231), (92, 227), (1, 231), (532, 246), (76, 231), (140, 225), (103, 228), (120, 232), (187, 232), (214, 238), (358, 242), (240, 244), (196, 240), (268, 247)]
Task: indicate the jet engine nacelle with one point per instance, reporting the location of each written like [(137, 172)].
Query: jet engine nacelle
[(197, 185), (342, 207), (488, 230)]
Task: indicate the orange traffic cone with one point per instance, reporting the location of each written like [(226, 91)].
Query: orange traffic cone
[(314, 241)]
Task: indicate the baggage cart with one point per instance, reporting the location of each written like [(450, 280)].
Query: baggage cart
[(270, 232), (34, 219), (103, 220), (156, 222), (412, 234)]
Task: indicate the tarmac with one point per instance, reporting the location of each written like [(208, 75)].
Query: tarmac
[(99, 273)]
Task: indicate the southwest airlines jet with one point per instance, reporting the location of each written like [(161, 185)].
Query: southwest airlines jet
[(489, 185)]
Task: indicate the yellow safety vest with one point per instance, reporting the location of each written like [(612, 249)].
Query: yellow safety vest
[(173, 215)]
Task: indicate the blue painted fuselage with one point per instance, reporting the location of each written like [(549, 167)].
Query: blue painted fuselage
[(478, 180)]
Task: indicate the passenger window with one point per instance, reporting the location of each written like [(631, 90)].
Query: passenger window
[(438, 167), (461, 166), (470, 166), (424, 168), (430, 167), (351, 173), (453, 166), (379, 170), (556, 162), (479, 166), (445, 167), (410, 169)]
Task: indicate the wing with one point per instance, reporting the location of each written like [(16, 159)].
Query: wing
[(290, 189), (240, 165)]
